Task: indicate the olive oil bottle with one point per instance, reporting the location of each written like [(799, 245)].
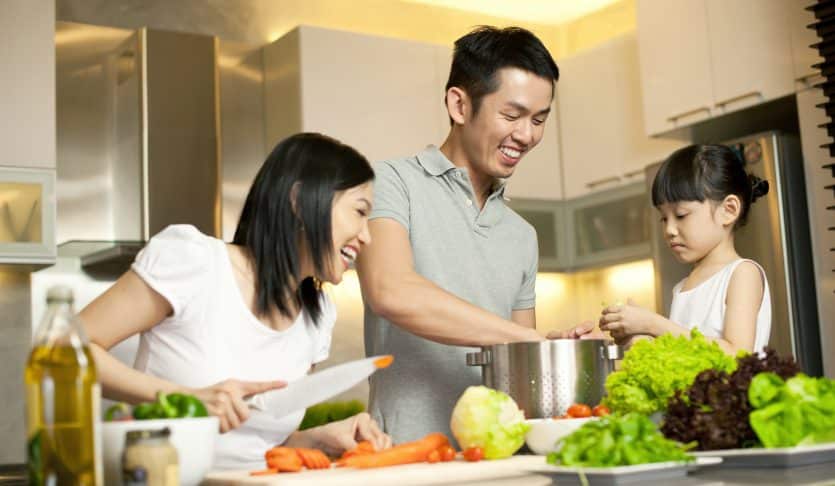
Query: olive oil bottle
[(62, 400)]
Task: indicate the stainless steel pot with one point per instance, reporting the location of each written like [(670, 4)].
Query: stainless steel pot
[(545, 378)]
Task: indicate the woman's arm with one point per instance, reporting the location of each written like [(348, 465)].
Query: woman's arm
[(129, 307)]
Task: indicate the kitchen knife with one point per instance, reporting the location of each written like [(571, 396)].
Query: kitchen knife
[(310, 390)]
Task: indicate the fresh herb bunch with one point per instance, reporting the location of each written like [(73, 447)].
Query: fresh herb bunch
[(652, 371), (617, 441), (714, 411)]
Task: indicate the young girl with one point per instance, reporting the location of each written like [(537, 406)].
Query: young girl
[(703, 194)]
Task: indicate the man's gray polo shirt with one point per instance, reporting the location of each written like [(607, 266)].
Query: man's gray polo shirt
[(486, 257)]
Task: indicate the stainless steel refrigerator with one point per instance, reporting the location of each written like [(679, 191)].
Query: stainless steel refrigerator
[(776, 236)]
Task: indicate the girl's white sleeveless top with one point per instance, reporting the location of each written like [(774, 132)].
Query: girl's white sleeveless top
[(703, 306)]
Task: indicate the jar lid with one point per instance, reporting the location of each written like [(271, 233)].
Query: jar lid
[(134, 436), (59, 293)]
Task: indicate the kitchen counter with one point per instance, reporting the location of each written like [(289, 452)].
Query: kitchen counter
[(513, 472)]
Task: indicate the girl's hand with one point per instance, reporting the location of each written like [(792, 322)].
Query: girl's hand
[(626, 320), (225, 400), (337, 437)]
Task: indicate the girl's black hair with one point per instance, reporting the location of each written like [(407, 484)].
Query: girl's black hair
[(711, 172), (310, 168)]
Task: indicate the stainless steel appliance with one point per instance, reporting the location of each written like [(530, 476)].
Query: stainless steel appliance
[(777, 237), (545, 378), (137, 139)]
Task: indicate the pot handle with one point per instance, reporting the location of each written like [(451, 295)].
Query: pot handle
[(481, 358), (613, 351)]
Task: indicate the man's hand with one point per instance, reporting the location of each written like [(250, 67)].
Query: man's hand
[(583, 331)]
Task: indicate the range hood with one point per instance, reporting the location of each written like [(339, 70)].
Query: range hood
[(138, 141)]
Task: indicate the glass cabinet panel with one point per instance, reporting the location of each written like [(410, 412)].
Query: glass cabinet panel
[(27, 216)]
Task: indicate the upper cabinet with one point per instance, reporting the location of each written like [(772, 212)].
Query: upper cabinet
[(705, 58), (377, 94), (603, 140)]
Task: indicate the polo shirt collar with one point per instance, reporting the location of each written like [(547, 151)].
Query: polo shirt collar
[(436, 163)]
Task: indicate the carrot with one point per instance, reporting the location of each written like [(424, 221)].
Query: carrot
[(263, 472), (285, 459), (364, 447), (313, 458), (406, 453)]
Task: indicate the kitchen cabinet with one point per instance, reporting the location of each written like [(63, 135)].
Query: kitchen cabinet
[(376, 94), (603, 140), (704, 58), (802, 37), (820, 178)]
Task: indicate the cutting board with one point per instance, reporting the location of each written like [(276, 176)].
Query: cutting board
[(409, 474)]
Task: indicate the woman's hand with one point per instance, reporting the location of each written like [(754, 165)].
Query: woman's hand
[(624, 320), (337, 437), (225, 400)]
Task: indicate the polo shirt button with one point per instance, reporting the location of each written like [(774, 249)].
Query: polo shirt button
[(469, 202)]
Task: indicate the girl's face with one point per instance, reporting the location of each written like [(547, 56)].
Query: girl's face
[(693, 228), (349, 226)]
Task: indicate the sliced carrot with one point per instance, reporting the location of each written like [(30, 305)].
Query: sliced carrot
[(364, 447), (313, 458), (263, 472), (285, 459), (433, 457), (406, 453)]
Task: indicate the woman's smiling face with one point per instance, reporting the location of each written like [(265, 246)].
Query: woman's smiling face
[(349, 228)]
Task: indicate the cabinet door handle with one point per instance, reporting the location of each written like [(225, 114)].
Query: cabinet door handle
[(593, 184), (633, 173), (674, 118), (740, 97)]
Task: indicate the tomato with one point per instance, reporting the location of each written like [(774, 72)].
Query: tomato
[(433, 457), (447, 453), (600, 411), (579, 410), (473, 454)]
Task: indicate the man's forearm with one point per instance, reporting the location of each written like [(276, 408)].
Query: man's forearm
[(421, 307)]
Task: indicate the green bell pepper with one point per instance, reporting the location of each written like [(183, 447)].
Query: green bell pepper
[(180, 405)]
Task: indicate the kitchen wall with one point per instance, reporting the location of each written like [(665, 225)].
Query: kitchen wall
[(27, 138)]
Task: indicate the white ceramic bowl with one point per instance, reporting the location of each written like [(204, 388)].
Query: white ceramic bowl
[(194, 439), (544, 433)]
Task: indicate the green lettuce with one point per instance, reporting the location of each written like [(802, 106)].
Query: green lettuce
[(488, 419), (617, 441), (797, 411), (652, 371)]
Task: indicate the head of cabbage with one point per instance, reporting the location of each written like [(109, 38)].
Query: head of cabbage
[(489, 419)]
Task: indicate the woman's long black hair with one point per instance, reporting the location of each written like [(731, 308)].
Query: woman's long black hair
[(310, 168), (707, 172)]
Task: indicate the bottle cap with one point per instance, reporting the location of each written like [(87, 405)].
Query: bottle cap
[(134, 436), (59, 293)]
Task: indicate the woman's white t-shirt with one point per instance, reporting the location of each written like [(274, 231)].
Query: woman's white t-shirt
[(703, 306), (213, 336)]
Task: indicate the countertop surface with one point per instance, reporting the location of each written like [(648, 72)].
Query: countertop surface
[(516, 470)]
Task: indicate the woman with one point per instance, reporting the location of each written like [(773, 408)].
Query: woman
[(225, 321)]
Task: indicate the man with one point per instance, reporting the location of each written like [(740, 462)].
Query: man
[(451, 265)]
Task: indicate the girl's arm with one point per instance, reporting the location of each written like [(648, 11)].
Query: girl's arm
[(742, 304)]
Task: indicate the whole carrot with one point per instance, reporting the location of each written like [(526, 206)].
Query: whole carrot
[(406, 453)]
